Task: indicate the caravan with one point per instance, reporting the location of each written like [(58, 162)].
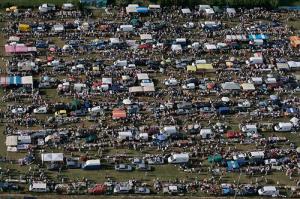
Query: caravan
[(91, 165), (283, 127), (178, 158)]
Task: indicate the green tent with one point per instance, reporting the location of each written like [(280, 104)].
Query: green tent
[(215, 158), (90, 138), (75, 104)]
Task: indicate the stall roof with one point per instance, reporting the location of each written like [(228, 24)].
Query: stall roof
[(142, 76), (154, 6), (52, 157), (186, 11), (230, 86), (136, 89), (146, 36), (106, 80), (119, 114), (205, 67), (248, 87), (11, 140), (149, 89)]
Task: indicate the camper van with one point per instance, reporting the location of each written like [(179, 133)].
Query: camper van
[(120, 63), (91, 165), (249, 128), (38, 187), (283, 127), (268, 191), (178, 158)]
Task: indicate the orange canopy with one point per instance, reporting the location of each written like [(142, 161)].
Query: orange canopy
[(118, 114)]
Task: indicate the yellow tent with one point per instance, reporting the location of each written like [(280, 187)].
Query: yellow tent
[(205, 67), (24, 27), (191, 68)]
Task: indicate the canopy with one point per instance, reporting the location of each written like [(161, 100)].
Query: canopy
[(141, 9), (191, 68), (146, 36), (186, 11), (248, 87), (215, 158), (142, 76), (24, 27), (232, 165), (205, 67), (230, 86), (11, 140), (52, 157), (118, 114), (258, 36), (16, 80)]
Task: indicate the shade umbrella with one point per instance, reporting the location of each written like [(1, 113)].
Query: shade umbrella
[(298, 149), (127, 101), (52, 49), (210, 86)]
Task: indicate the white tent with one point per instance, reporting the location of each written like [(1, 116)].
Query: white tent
[(294, 65), (52, 157), (206, 133), (153, 6), (114, 40), (142, 76), (176, 47), (230, 86), (186, 11), (106, 80), (125, 135), (136, 89), (257, 80), (230, 11), (58, 28), (248, 87), (11, 140), (146, 36), (209, 11), (126, 28), (203, 7)]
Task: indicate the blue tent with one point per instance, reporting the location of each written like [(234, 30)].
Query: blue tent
[(292, 110), (161, 137), (232, 165), (142, 9), (223, 110)]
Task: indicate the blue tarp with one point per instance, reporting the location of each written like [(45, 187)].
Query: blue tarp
[(18, 80), (232, 165), (142, 9), (258, 36)]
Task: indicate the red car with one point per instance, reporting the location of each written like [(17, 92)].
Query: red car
[(98, 189), (233, 134)]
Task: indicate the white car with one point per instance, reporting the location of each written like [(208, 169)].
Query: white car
[(19, 110), (268, 191), (129, 66), (171, 82), (40, 110), (95, 109), (189, 86)]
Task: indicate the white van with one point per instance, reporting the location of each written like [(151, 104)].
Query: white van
[(178, 158), (268, 191), (283, 127), (249, 128), (121, 63)]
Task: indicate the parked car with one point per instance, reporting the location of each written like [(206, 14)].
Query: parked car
[(268, 191), (142, 190), (143, 167), (40, 110), (123, 167)]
